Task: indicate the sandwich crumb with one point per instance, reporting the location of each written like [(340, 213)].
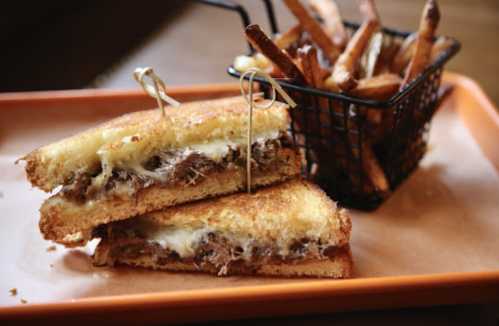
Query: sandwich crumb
[(51, 248), (24, 301), (13, 292)]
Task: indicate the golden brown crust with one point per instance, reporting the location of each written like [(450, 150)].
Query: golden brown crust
[(340, 266), (71, 224), (296, 208), (192, 123)]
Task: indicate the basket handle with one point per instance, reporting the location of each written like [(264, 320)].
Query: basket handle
[(271, 16), (229, 5)]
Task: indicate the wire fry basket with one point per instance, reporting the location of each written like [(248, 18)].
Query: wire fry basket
[(339, 142)]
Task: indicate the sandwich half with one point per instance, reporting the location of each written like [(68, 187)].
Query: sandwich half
[(292, 230), (143, 161)]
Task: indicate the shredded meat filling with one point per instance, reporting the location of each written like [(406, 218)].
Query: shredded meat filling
[(185, 167), (213, 252)]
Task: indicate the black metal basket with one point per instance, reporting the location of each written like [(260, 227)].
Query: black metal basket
[(335, 136)]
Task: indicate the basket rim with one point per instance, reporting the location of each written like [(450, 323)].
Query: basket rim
[(375, 104)]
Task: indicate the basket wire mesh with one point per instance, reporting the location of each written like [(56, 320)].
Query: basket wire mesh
[(337, 140)]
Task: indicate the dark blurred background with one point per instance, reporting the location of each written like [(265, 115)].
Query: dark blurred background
[(81, 44)]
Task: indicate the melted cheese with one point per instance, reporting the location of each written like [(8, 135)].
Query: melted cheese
[(182, 241), (186, 241), (215, 150)]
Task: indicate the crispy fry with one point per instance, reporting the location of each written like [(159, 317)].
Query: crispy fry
[(370, 57), (286, 39), (304, 57), (331, 85), (424, 42), (328, 11), (262, 61), (372, 168), (315, 75), (344, 69), (243, 62), (276, 72), (404, 54), (368, 10), (388, 51), (299, 63), (370, 165), (441, 45), (317, 34), (312, 70), (279, 58), (380, 87)]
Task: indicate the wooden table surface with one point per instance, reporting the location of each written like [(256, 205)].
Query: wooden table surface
[(198, 44)]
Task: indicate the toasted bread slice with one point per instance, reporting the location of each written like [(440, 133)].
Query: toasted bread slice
[(130, 140), (290, 229)]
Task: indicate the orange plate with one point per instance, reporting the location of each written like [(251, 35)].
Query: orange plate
[(435, 241)]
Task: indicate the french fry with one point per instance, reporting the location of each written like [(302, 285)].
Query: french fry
[(388, 51), (291, 36), (368, 10), (303, 56), (315, 76), (370, 164), (372, 168), (299, 63), (371, 56), (312, 70), (328, 11), (441, 45), (262, 61), (279, 58), (404, 54), (424, 43), (243, 62), (380, 87), (276, 72), (344, 70), (317, 34)]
